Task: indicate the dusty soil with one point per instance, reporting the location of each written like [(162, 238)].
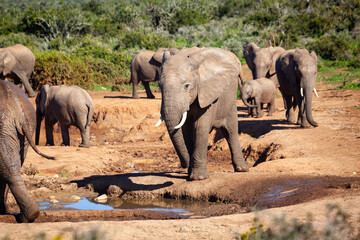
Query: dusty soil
[(294, 171)]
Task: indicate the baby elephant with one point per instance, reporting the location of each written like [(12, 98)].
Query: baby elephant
[(68, 105), (259, 91)]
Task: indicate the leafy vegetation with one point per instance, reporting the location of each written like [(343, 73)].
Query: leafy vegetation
[(90, 43), (337, 227)]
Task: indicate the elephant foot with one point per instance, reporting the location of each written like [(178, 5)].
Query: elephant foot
[(49, 144), (28, 218), (65, 144), (198, 175), (135, 96), (31, 95), (243, 167), (151, 97), (305, 125), (84, 145)]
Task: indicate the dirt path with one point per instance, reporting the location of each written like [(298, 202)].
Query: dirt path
[(293, 171)]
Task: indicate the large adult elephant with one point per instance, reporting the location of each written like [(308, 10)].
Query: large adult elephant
[(68, 105), (145, 68), (199, 87), (297, 71), (17, 126), (17, 62), (261, 61)]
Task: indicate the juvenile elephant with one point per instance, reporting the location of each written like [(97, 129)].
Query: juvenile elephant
[(145, 67), (199, 87), (262, 91), (297, 72), (261, 61), (17, 62), (17, 126), (68, 105)]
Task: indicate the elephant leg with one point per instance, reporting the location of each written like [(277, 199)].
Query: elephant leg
[(302, 120), (26, 83), (65, 135), (147, 89), (259, 108), (230, 131), (29, 211), (271, 107), (3, 197), (49, 128), (197, 170), (11, 175), (290, 113), (85, 137)]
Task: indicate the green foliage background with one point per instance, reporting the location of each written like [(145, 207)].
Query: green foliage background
[(91, 42)]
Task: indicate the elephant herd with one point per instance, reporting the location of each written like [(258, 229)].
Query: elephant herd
[(293, 71), (199, 92)]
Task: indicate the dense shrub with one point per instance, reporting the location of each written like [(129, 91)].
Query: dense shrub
[(332, 46)]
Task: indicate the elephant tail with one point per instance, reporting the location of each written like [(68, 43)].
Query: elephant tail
[(90, 114), (32, 144), (241, 79)]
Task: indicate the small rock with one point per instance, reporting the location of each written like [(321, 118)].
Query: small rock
[(56, 175), (43, 189), (52, 197), (75, 198), (101, 198), (53, 201)]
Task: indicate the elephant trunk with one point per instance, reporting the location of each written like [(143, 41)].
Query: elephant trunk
[(308, 106), (172, 119), (39, 118), (244, 98)]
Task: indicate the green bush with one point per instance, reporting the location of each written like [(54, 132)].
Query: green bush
[(332, 47)]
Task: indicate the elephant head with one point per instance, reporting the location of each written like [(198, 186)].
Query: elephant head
[(249, 91), (7, 61), (261, 61), (191, 81), (41, 103), (302, 66)]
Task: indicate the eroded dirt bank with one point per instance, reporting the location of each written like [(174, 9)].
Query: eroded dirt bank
[(293, 171)]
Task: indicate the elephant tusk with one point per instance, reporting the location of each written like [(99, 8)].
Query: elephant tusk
[(302, 92), (316, 93), (159, 122), (182, 121)]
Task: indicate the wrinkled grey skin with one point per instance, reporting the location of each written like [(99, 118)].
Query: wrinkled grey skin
[(68, 105), (202, 82), (262, 91), (17, 126), (17, 62), (297, 68), (261, 61), (145, 67)]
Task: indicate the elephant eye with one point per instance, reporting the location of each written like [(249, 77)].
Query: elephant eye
[(186, 86)]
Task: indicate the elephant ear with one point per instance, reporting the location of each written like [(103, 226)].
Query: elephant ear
[(9, 62), (313, 54), (42, 98), (216, 70), (249, 54), (276, 52)]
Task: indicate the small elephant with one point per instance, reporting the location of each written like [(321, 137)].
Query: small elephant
[(261, 61), (145, 67), (262, 91), (68, 105), (17, 126), (17, 62), (199, 92), (297, 72)]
